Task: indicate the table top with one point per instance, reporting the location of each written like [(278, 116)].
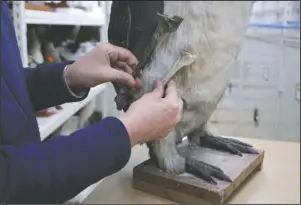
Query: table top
[(278, 181)]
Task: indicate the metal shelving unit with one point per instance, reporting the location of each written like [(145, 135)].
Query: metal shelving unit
[(48, 124), (23, 17), (53, 18)]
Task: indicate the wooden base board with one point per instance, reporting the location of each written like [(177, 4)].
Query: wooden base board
[(182, 189)]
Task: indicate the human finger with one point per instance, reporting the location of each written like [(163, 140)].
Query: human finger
[(121, 54), (138, 83), (171, 92), (121, 77), (123, 66)]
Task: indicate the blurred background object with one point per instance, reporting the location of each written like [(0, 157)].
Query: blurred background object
[(262, 102)]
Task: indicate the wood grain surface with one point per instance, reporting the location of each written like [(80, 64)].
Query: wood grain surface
[(182, 189)]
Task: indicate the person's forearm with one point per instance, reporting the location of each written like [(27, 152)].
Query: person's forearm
[(47, 87), (56, 170)]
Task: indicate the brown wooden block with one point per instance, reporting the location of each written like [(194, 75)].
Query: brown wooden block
[(38, 7), (182, 189)]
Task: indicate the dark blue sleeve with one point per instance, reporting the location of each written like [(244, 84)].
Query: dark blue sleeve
[(56, 170), (46, 86)]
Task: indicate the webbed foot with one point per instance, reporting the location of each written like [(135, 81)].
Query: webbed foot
[(232, 146), (205, 171), (209, 172)]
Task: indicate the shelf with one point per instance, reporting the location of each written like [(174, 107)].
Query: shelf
[(64, 18), (48, 125)]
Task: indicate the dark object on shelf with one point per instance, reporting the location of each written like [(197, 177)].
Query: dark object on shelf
[(95, 118), (256, 116), (84, 34), (59, 107), (188, 189), (62, 4)]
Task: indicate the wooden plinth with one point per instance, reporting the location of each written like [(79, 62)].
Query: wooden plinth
[(182, 189)]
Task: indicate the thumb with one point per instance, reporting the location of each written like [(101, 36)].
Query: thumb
[(158, 90), (122, 77)]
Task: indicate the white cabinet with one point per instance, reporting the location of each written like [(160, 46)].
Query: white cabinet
[(259, 81)]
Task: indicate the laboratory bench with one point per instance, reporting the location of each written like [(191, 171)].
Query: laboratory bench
[(277, 182)]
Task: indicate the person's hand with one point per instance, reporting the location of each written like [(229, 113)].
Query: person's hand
[(105, 63), (154, 115)]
